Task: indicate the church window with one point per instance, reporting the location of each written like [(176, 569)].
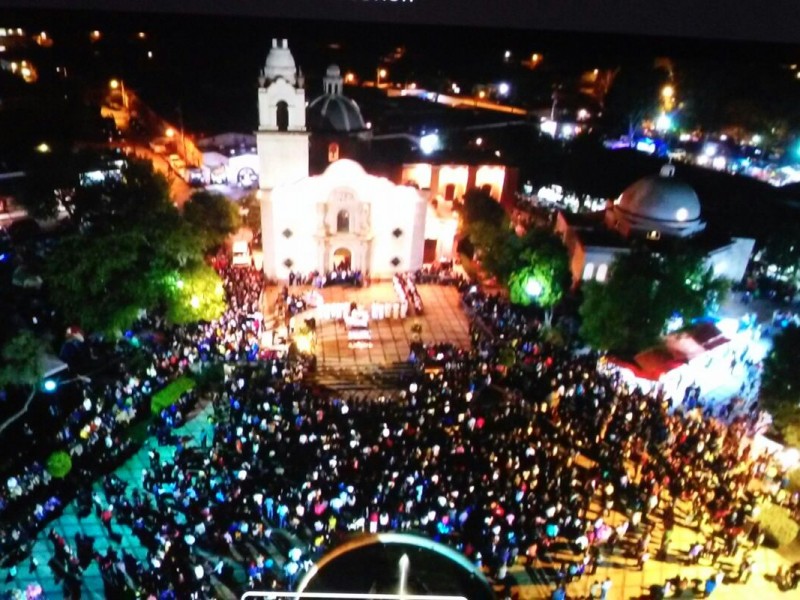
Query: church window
[(287, 233), (395, 261), (282, 116), (602, 272), (343, 222), (288, 263), (588, 271), (333, 152), (450, 191), (397, 232)]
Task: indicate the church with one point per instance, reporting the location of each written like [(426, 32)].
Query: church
[(342, 217)]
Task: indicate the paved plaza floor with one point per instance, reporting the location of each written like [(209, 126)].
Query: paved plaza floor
[(378, 367), (443, 320)]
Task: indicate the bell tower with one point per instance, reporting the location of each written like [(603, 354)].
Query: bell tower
[(282, 138)]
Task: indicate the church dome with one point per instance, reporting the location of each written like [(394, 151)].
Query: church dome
[(660, 203), (280, 63), (334, 113)]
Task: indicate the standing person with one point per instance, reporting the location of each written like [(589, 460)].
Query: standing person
[(596, 590), (605, 587), (560, 593)]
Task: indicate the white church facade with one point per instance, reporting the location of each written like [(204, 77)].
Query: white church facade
[(343, 217)]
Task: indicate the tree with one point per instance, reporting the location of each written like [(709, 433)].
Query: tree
[(23, 360), (213, 215), (488, 227), (131, 239), (780, 388), (782, 248), (197, 295), (634, 95), (544, 276), (251, 212), (481, 207), (628, 313), (130, 189)]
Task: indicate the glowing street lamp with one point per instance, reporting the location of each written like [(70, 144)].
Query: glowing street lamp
[(49, 385), (403, 575), (533, 288), (170, 132), (503, 89), (118, 84), (43, 148), (667, 92), (664, 122)]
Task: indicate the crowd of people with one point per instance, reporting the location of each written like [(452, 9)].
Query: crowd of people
[(341, 275), (501, 451)]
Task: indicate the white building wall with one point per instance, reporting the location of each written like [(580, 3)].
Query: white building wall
[(308, 209), (283, 158), (731, 261)]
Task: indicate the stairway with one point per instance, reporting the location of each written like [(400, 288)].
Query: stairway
[(368, 379)]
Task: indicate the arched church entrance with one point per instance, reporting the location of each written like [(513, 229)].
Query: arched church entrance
[(342, 259)]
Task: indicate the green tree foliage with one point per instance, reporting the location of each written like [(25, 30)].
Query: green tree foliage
[(782, 247), (251, 212), (59, 464), (131, 240), (628, 312), (23, 360), (481, 207), (213, 215), (197, 295), (131, 191), (544, 275), (489, 230), (780, 389)]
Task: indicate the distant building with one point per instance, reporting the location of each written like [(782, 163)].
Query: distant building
[(657, 211)]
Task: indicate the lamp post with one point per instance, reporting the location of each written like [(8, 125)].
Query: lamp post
[(403, 576), (49, 386), (119, 84)]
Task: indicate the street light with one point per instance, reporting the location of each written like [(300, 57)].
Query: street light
[(170, 132), (119, 84), (533, 288), (403, 575), (667, 92)]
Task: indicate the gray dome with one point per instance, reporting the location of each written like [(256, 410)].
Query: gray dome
[(334, 113), (333, 71), (657, 205), (661, 199)]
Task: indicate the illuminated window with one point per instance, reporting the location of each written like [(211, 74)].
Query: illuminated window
[(654, 235), (588, 271), (343, 222), (282, 116), (602, 271), (333, 152)]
